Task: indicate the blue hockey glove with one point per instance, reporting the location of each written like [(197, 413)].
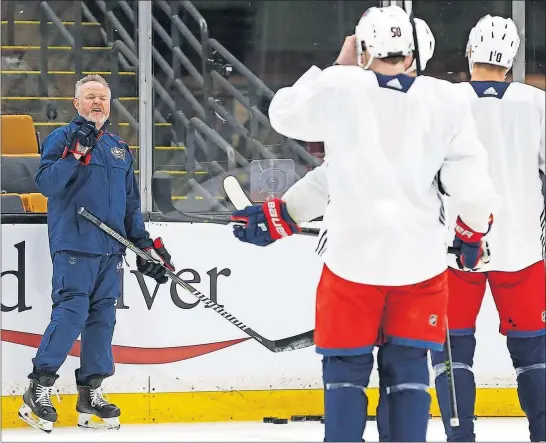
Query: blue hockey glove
[(474, 250), (264, 223)]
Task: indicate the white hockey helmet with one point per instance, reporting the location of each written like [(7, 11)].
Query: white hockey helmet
[(494, 40), (384, 32), (425, 42)]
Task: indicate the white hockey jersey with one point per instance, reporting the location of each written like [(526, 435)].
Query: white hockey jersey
[(510, 122), (307, 199), (386, 138)]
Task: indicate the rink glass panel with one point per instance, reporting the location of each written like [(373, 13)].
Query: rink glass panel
[(535, 44), (277, 42), (39, 72), (451, 22)]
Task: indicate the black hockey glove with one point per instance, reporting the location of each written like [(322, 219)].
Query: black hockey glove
[(83, 139), (152, 268)]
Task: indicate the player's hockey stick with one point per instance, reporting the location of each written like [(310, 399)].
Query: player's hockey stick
[(240, 200), (409, 9), (162, 194), (235, 192), (286, 344), (454, 419)]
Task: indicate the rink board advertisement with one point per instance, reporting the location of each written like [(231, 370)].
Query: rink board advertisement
[(179, 361)]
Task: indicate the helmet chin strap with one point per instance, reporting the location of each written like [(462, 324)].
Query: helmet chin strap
[(470, 64), (360, 53), (370, 60), (411, 69)]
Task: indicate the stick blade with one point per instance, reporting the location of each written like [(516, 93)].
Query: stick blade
[(235, 192), (162, 192), (162, 197), (299, 341)]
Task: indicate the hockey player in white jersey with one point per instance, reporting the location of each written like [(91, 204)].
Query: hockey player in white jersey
[(386, 136), (307, 200), (308, 197), (511, 124)]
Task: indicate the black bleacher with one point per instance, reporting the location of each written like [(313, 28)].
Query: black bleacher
[(12, 203), (18, 174)]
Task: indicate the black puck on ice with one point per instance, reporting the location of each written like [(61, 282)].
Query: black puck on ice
[(269, 419), (315, 417), (305, 418), (280, 421), (298, 418)]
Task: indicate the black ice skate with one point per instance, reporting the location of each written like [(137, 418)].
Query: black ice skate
[(91, 402), (37, 409)]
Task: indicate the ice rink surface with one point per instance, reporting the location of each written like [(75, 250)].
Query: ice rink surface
[(487, 429)]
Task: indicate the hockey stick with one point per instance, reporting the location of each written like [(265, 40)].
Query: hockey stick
[(236, 193), (286, 344), (162, 197), (239, 199), (409, 9), (454, 411), (162, 194)]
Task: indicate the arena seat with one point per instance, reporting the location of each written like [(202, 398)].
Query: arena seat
[(19, 135), (18, 173), (35, 203), (12, 204)]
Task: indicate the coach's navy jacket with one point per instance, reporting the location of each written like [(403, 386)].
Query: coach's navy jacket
[(106, 186)]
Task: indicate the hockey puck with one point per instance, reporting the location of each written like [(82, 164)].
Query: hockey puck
[(315, 417), (269, 419), (300, 418), (280, 421)]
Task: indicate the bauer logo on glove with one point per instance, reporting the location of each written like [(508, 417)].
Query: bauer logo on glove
[(276, 220), (474, 249), (463, 232)]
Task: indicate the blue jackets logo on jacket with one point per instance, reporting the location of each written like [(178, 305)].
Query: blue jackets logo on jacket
[(118, 153)]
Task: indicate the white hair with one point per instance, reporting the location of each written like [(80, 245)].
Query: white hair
[(90, 78)]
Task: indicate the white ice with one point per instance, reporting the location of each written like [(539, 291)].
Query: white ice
[(487, 429)]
